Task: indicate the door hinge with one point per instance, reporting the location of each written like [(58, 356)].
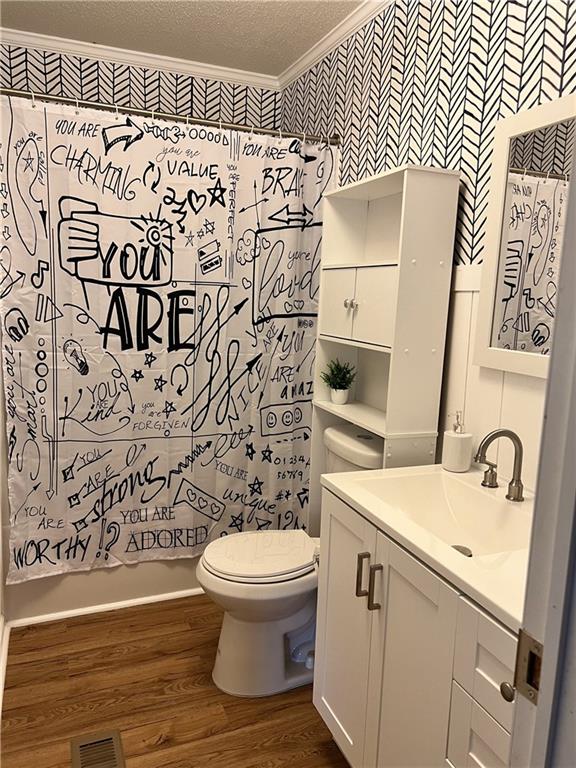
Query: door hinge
[(528, 666)]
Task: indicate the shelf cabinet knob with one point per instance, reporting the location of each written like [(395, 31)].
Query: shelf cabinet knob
[(347, 303), (508, 691)]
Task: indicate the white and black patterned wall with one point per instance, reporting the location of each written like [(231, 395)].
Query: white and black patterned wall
[(425, 82), (548, 150), (75, 77)]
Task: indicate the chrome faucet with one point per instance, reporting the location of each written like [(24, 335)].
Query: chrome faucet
[(515, 487)]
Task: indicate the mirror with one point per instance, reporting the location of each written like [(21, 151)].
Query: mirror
[(532, 162)]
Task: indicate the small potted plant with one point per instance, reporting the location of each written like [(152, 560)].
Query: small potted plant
[(339, 378)]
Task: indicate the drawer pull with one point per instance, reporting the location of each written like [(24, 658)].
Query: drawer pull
[(508, 691), (372, 606), (360, 592)]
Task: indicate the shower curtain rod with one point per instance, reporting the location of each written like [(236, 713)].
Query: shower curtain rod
[(333, 140), (540, 174)]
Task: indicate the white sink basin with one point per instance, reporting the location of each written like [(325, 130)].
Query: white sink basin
[(455, 509)]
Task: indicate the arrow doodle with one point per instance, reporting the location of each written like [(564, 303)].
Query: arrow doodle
[(128, 133)]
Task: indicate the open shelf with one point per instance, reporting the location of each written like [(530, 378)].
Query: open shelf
[(360, 264), (354, 343), (362, 415)]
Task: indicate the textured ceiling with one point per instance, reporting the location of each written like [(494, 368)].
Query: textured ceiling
[(264, 36)]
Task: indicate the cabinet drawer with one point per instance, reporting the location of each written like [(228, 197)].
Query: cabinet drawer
[(475, 739), (485, 657)]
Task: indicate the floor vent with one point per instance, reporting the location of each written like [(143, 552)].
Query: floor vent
[(100, 750)]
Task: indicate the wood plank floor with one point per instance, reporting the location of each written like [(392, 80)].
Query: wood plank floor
[(147, 672)]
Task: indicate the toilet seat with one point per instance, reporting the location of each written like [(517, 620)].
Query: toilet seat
[(261, 557)]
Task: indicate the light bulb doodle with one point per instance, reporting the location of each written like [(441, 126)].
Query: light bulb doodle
[(74, 353)]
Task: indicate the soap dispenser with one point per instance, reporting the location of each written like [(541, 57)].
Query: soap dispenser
[(457, 447)]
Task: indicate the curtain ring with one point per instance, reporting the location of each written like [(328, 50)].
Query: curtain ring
[(117, 113), (251, 134), (220, 125), (77, 107), (524, 174), (187, 119), (152, 112), (33, 100), (304, 138), (279, 135)]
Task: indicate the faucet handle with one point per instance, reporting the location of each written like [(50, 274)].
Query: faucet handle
[(490, 475)]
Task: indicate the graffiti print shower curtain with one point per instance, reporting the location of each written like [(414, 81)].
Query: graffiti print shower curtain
[(158, 296)]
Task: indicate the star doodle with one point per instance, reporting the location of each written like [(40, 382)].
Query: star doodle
[(303, 497), (159, 383), (137, 375), (208, 227), (237, 521), (168, 408), (189, 239), (267, 454), (263, 524), (29, 160), (200, 234), (149, 359), (250, 452), (217, 194), (256, 487)]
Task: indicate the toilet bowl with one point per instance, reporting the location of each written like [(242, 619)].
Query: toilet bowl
[(266, 583)]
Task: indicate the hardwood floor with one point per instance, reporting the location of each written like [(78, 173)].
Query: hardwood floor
[(147, 672)]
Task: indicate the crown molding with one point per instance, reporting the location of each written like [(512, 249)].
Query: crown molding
[(136, 58), (347, 27), (342, 31)]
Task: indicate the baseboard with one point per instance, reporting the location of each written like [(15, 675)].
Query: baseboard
[(4, 639), (90, 609)]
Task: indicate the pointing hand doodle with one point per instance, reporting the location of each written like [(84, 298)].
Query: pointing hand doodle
[(77, 235)]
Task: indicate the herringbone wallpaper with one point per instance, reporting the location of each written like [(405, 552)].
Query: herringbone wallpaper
[(45, 72), (425, 81)]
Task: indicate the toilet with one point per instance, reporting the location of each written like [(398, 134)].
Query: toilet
[(266, 583)]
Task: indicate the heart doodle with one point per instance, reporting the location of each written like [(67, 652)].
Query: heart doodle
[(202, 502), (196, 201), (191, 496), (299, 304), (246, 283), (288, 306)]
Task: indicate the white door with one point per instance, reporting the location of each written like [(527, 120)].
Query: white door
[(414, 633), (337, 301), (375, 305), (341, 673)]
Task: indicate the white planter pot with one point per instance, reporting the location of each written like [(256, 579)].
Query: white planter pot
[(339, 396)]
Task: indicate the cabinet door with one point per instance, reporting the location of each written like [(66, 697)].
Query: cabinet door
[(485, 657), (413, 635), (336, 302), (343, 625), (375, 305), (475, 739)]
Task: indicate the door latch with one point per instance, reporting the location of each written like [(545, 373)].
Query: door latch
[(528, 666)]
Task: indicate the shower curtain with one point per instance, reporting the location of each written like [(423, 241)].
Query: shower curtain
[(533, 233), (158, 301)]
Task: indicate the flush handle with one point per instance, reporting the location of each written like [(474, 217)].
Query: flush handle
[(360, 592), (374, 569)]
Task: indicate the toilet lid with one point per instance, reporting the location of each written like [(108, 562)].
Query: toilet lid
[(261, 556)]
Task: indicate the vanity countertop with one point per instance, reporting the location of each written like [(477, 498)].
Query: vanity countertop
[(496, 580)]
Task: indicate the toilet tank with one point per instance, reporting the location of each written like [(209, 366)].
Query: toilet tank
[(350, 448)]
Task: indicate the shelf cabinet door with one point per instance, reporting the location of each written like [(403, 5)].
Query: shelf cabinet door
[(413, 640), (338, 286), (375, 305), (343, 626), (475, 739)]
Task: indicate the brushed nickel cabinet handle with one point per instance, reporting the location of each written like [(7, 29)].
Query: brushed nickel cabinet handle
[(372, 606), (508, 691), (360, 592)]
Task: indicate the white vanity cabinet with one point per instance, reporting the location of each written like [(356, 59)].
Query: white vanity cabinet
[(408, 670), (385, 645)]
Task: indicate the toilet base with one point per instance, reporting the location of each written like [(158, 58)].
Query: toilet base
[(253, 658)]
